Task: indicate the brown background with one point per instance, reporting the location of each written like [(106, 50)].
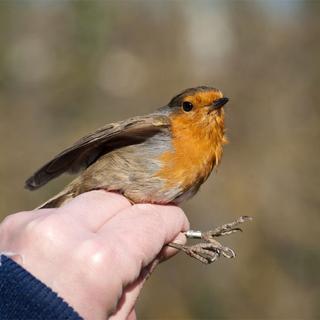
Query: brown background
[(68, 67)]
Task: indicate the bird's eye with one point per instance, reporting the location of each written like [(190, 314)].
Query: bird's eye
[(187, 106)]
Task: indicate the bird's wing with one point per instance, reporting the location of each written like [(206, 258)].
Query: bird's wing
[(89, 148)]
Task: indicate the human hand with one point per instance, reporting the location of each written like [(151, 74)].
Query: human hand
[(96, 250)]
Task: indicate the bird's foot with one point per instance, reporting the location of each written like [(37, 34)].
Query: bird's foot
[(209, 250), (205, 252)]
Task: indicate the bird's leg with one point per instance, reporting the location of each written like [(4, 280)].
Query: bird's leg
[(209, 250)]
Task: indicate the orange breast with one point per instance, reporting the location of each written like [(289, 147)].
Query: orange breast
[(197, 148)]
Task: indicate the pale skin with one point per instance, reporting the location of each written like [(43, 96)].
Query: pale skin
[(96, 251)]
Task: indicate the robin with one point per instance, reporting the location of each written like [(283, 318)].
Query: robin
[(161, 158)]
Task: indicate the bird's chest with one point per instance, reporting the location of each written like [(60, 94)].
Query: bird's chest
[(191, 160)]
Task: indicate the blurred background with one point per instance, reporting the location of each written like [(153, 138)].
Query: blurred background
[(68, 67)]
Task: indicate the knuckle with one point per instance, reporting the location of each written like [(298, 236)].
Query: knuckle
[(42, 228), (7, 222), (93, 254), (11, 219), (6, 226), (11, 222)]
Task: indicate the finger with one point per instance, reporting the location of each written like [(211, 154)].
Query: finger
[(12, 231), (128, 301), (139, 233), (16, 220), (132, 315), (93, 209), (125, 308), (13, 225)]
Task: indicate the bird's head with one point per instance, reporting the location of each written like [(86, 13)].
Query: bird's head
[(200, 102), (201, 108)]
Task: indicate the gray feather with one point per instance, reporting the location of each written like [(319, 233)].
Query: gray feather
[(89, 148)]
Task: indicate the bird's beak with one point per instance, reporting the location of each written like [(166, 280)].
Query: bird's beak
[(218, 104)]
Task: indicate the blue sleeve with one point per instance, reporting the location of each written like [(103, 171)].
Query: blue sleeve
[(22, 296)]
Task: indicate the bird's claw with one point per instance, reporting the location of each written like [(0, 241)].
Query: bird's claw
[(206, 252), (225, 229), (228, 253)]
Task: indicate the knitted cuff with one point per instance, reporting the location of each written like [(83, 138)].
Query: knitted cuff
[(22, 296)]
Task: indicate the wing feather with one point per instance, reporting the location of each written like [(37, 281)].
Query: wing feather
[(89, 148)]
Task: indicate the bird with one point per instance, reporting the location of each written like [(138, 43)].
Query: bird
[(162, 158)]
